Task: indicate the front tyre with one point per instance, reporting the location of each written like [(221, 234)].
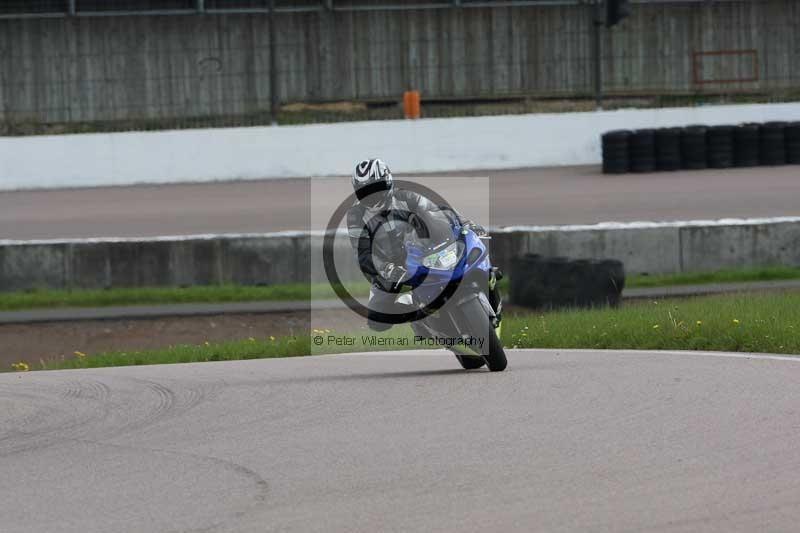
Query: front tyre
[(479, 324), (496, 360)]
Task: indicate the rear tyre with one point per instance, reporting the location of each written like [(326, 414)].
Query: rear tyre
[(470, 363)]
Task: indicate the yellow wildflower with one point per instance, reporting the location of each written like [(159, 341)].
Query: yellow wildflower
[(735, 320), (79, 354), (656, 326), (22, 366)]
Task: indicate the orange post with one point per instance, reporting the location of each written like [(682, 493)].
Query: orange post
[(411, 104)]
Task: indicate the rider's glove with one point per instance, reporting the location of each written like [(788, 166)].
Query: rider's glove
[(391, 272), (479, 230)]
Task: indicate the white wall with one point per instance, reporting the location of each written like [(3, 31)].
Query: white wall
[(426, 145)]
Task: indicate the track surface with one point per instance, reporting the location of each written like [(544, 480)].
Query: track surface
[(566, 195), (562, 441)]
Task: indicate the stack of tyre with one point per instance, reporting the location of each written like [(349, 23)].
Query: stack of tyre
[(668, 149), (698, 147), (615, 152), (792, 138), (746, 145), (558, 282)]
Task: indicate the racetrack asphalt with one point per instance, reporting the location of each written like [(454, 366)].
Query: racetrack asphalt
[(562, 441), (532, 196)]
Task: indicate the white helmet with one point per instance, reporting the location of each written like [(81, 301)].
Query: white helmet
[(372, 182)]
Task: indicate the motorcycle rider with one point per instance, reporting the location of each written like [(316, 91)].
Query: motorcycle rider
[(378, 225)]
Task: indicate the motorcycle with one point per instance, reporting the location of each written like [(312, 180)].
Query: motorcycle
[(448, 278)]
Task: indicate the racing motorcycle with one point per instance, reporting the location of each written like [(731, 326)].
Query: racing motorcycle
[(449, 281)]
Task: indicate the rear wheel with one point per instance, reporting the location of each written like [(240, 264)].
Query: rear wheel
[(470, 363)]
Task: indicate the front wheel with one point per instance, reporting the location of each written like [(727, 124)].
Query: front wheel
[(479, 324), (496, 360)]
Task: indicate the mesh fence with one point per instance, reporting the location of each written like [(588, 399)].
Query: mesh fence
[(112, 73)]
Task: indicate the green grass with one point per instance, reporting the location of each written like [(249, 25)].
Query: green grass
[(737, 323), (148, 295), (46, 298), (768, 323), (228, 351), (252, 348), (721, 276), (38, 299)]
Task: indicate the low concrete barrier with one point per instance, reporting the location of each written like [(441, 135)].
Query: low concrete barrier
[(266, 259), (208, 260), (412, 146), (663, 247)]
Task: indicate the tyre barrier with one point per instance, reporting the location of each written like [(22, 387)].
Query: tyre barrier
[(720, 146), (558, 282), (698, 147), (668, 149), (642, 146), (772, 144), (792, 138), (693, 147), (615, 152), (746, 141)]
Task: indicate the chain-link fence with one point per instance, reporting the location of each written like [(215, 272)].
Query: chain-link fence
[(69, 66)]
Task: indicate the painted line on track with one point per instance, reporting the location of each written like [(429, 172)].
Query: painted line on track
[(505, 229), (730, 355), (588, 351)]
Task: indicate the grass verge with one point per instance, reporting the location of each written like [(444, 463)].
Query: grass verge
[(46, 298), (764, 322), (774, 273), (768, 323), (246, 349), (39, 299)]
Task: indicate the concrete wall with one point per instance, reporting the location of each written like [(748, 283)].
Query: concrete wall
[(131, 263), (119, 68), (663, 248), (426, 145), (295, 257)]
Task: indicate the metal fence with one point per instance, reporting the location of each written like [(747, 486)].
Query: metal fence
[(70, 66), (44, 8)]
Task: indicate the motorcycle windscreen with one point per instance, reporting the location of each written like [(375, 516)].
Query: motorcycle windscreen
[(433, 229)]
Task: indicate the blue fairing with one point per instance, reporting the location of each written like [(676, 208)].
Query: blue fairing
[(428, 283)]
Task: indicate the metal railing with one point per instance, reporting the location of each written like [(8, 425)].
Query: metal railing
[(17, 9)]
